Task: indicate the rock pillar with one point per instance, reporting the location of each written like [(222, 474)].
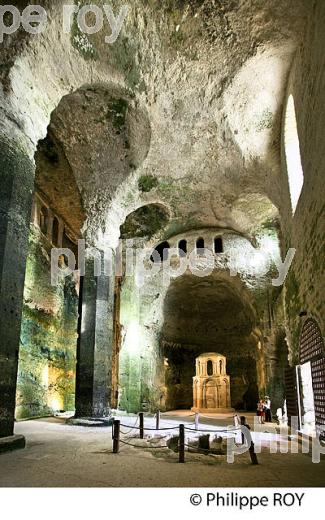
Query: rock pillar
[(17, 172), (94, 352)]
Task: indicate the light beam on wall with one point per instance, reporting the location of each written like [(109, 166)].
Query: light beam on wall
[(293, 156), (132, 338)]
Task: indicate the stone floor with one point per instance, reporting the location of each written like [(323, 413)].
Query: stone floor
[(60, 455)]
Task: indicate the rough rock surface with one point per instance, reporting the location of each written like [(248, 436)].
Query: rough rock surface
[(183, 114)]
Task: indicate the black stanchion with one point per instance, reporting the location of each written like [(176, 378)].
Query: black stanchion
[(158, 419), (252, 453), (181, 444), (243, 423), (116, 436), (141, 417)]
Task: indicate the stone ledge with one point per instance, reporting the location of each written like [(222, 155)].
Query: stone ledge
[(14, 442)]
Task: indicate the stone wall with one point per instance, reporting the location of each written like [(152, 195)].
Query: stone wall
[(46, 373), (305, 230), (161, 336)]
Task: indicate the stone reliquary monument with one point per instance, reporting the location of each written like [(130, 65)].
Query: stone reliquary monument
[(211, 385)]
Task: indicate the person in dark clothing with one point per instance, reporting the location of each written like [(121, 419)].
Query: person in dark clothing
[(267, 408)]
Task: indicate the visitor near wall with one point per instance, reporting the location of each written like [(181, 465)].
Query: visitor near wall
[(260, 411), (267, 406)]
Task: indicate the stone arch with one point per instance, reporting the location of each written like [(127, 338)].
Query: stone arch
[(125, 119), (145, 222), (194, 319), (254, 211), (33, 88)]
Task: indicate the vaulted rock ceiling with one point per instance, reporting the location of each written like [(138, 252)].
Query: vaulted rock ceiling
[(191, 94)]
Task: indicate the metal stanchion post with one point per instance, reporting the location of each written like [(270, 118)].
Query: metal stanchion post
[(181, 445), (253, 454), (116, 436), (158, 420), (141, 417), (243, 423)]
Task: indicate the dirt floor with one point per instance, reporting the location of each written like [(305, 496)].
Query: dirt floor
[(61, 455)]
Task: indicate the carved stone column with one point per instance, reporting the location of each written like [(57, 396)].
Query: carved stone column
[(16, 187), (94, 353)]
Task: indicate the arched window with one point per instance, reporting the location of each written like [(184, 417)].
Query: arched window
[(292, 153), (220, 366), (218, 245), (182, 247), (162, 250), (55, 232), (200, 244), (210, 368), (43, 220)]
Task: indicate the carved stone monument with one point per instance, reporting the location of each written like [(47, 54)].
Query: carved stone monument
[(211, 385)]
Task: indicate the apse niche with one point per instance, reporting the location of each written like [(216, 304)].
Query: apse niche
[(208, 315)]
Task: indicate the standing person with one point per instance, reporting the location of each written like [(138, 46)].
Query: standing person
[(260, 411), (267, 404)]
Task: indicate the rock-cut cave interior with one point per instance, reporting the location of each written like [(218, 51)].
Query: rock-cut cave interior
[(161, 235)]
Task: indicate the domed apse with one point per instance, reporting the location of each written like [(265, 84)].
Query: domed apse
[(209, 315)]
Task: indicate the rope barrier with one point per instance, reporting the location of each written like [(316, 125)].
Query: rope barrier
[(185, 417), (233, 430), (209, 416), (143, 447), (151, 429), (181, 440), (130, 430)]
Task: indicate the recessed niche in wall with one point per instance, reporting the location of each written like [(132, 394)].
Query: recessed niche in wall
[(200, 244), (163, 252), (182, 246), (218, 245), (43, 220), (210, 368), (55, 232)]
